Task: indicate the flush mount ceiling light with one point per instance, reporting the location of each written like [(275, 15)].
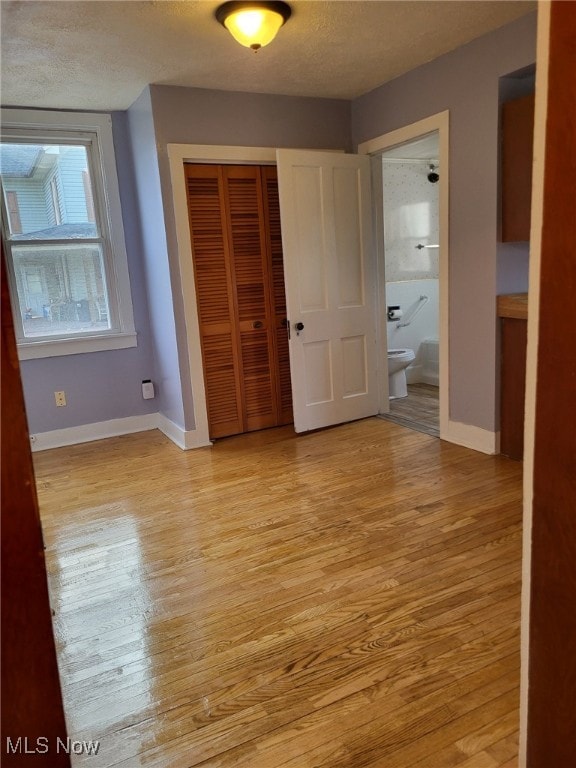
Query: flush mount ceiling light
[(253, 24)]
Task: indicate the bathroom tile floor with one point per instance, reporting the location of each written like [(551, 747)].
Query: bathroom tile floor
[(418, 411)]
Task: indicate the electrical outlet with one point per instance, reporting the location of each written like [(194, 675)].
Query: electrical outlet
[(60, 398)]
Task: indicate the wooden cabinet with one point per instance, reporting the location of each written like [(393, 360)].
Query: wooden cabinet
[(516, 179), (513, 337)]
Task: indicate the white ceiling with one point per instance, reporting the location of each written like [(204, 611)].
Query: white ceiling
[(94, 54)]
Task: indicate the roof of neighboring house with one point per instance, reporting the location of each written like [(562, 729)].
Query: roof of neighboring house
[(61, 232), (19, 160)]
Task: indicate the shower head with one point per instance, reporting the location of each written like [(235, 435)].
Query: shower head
[(433, 177)]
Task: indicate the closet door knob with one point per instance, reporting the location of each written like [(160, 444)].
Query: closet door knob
[(257, 324)]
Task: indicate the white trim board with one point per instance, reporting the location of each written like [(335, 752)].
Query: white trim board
[(375, 147), (87, 433), (537, 217), (473, 437), (462, 434), (185, 439)]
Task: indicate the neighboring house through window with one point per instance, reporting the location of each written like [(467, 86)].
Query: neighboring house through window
[(13, 212), (88, 196), (63, 233)]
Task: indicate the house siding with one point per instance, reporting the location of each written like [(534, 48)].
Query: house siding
[(31, 203), (71, 185)]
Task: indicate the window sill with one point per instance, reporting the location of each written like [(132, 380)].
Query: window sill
[(31, 350)]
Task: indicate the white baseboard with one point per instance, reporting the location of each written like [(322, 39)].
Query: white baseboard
[(420, 374), (414, 374), (185, 439), (430, 377), (462, 434), (472, 437), (86, 433)]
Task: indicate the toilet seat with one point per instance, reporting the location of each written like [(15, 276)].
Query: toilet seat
[(401, 353)]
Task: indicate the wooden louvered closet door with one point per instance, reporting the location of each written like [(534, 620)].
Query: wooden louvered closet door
[(277, 290), (237, 251)]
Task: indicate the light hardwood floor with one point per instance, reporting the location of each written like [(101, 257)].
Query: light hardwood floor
[(340, 599)]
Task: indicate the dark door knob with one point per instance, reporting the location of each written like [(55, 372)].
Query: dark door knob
[(284, 322), (257, 324), (299, 326)]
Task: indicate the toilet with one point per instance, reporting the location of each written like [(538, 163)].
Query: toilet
[(398, 361)]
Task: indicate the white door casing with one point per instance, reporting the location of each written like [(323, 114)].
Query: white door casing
[(330, 277), (449, 431)]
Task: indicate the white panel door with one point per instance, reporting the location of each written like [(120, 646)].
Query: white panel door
[(330, 276)]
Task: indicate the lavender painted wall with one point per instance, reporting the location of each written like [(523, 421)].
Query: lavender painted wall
[(154, 261), (199, 116), (465, 82), (513, 258), (512, 268), (99, 385)]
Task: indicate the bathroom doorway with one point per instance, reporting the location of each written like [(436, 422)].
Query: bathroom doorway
[(420, 220), (411, 174)]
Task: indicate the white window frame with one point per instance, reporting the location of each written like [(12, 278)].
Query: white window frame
[(50, 127)]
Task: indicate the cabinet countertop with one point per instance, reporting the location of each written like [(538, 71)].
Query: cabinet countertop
[(514, 305)]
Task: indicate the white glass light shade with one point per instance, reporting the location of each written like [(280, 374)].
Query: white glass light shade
[(254, 28)]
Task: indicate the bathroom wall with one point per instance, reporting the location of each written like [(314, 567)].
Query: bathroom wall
[(406, 294), (411, 218)]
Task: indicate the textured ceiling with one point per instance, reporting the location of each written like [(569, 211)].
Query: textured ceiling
[(101, 55)]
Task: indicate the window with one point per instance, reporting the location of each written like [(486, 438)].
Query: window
[(62, 227)]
